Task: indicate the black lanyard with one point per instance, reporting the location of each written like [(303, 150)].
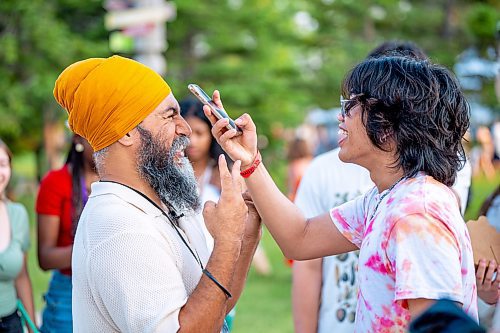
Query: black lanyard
[(173, 218)]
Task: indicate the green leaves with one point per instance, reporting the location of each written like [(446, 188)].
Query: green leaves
[(274, 59), (37, 40)]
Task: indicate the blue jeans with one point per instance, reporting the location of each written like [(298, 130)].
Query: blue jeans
[(57, 317), (11, 324)]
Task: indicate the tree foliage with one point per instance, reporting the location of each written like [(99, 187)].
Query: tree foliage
[(37, 39), (275, 59)]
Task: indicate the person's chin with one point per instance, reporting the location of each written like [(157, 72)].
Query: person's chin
[(343, 155)]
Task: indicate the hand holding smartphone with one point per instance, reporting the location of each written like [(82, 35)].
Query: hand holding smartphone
[(216, 111)]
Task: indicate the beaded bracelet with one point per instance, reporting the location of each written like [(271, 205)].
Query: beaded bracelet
[(246, 173)]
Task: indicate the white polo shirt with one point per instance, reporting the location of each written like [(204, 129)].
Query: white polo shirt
[(131, 270)]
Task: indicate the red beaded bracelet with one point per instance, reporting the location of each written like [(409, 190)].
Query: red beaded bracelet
[(246, 173)]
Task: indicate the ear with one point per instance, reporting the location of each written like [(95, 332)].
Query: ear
[(129, 138)]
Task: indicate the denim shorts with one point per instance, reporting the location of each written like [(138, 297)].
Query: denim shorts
[(11, 324), (57, 317)]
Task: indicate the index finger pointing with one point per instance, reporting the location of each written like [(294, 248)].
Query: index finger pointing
[(235, 173), (226, 180)]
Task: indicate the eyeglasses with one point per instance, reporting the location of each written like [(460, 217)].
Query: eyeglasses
[(346, 105)]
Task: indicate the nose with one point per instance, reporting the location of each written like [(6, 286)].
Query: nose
[(340, 118), (183, 127)]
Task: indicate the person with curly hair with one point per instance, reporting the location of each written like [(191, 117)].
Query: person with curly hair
[(403, 120)]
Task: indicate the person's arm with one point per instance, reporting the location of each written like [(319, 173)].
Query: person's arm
[(207, 306), (51, 256), (25, 291), (298, 238), (419, 305), (50, 200), (253, 233), (306, 294), (227, 221)]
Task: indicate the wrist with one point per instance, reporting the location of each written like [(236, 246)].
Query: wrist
[(249, 163), (247, 170), (488, 298), (490, 302), (228, 245), (251, 241)]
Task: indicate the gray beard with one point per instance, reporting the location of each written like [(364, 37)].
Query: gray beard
[(174, 184)]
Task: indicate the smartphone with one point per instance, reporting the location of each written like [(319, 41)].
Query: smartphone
[(216, 111)]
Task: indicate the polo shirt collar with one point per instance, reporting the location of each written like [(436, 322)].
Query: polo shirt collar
[(126, 194)]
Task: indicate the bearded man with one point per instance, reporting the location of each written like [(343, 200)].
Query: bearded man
[(140, 262)]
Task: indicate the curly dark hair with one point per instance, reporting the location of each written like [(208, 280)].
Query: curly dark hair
[(398, 48), (417, 103)]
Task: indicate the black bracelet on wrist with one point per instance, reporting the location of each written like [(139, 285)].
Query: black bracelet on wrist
[(211, 277)]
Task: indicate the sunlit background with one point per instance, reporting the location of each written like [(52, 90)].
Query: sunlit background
[(282, 61)]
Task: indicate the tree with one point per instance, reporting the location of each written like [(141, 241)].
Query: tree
[(37, 40)]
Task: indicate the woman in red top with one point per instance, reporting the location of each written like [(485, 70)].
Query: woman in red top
[(60, 201)]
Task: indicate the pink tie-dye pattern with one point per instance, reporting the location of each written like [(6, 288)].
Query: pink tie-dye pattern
[(375, 263), (406, 267), (346, 232), (417, 200)]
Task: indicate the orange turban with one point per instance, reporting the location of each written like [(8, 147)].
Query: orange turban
[(107, 97)]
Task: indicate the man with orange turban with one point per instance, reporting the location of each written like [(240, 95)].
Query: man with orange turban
[(140, 262)]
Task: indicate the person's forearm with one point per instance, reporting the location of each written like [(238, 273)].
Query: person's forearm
[(306, 294), (206, 307), (55, 257), (284, 220), (242, 267), (25, 294)]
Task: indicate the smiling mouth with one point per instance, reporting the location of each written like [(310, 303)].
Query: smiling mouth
[(342, 132), (342, 135), (180, 156)]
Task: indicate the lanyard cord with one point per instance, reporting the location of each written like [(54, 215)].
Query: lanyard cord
[(173, 218)]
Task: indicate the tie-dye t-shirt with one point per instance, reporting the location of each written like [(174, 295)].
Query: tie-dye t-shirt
[(415, 246)]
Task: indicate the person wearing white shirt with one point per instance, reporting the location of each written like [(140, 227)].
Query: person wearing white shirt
[(140, 261)]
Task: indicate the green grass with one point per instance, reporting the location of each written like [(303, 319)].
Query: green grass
[(265, 305)]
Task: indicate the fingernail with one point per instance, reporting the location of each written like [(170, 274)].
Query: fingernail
[(238, 121)]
